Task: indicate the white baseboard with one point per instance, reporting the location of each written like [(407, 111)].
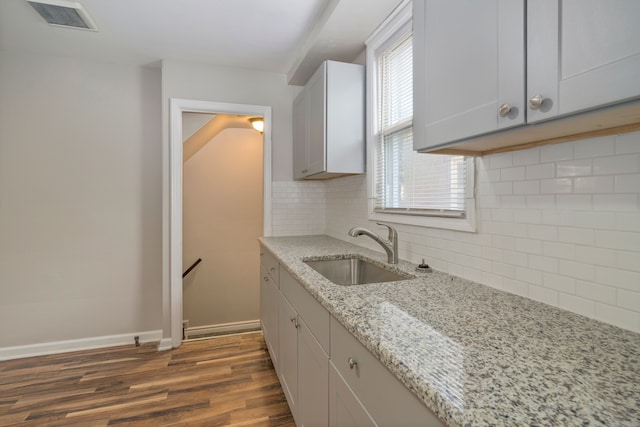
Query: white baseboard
[(20, 351), (222, 328)]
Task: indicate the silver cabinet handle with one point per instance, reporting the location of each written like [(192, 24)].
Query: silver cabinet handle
[(352, 363), (272, 269), (536, 101), (295, 322), (265, 278), (504, 110)]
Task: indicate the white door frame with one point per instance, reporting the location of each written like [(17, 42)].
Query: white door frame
[(176, 108)]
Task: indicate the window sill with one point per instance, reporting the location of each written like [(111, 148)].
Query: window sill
[(467, 224)]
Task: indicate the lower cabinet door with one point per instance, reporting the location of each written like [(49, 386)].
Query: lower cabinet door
[(313, 380), (345, 410), (269, 295), (288, 353)]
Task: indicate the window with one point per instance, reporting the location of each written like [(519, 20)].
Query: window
[(405, 186)]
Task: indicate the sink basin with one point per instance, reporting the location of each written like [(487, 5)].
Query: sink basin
[(354, 271)]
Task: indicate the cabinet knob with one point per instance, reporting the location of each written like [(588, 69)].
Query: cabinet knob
[(272, 269), (295, 322), (504, 110), (265, 278), (536, 101), (352, 363), (305, 170)]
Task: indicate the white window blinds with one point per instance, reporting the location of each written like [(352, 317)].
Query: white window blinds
[(407, 182)]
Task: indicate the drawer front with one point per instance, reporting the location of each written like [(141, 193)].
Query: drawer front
[(382, 394), (315, 316), (344, 407), (270, 264)]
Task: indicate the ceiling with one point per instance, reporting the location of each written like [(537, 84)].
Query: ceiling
[(284, 36)]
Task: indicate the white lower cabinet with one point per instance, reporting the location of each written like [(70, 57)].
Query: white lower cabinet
[(344, 407), (328, 377), (385, 398), (313, 380), (288, 352), (303, 361)]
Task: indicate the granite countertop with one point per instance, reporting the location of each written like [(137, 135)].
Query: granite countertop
[(476, 355)]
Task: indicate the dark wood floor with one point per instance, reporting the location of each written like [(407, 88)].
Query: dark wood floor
[(224, 381)]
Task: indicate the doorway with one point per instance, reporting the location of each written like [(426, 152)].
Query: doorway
[(222, 206), (173, 317)]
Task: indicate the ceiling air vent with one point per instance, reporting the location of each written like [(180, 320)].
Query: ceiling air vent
[(61, 13)]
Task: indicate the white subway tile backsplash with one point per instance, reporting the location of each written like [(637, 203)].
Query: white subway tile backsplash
[(559, 283), (627, 143), (543, 263), (526, 157), (595, 256), (529, 246), (512, 174), (618, 316), (541, 202), (526, 187), (554, 186), (542, 232), (527, 216), (528, 275), (616, 202), (556, 217), (540, 171), (573, 202), (627, 221), (626, 241), (545, 295), (596, 292), (578, 236), (577, 304), (616, 165), (559, 224), (627, 260), (628, 300), (629, 280), (559, 250), (593, 184), (579, 270), (574, 168), (516, 287), (594, 147), (627, 183), (596, 220), (513, 202), (556, 152), (498, 161)]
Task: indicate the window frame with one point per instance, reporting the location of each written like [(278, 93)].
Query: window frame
[(400, 21)]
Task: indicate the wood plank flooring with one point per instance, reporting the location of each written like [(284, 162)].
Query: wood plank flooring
[(224, 381)]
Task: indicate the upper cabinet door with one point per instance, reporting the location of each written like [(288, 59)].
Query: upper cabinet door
[(301, 135), (469, 68), (317, 160), (581, 54)]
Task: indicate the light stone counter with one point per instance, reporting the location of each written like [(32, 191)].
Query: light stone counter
[(477, 356)]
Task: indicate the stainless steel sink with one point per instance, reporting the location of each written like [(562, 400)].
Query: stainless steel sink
[(354, 271)]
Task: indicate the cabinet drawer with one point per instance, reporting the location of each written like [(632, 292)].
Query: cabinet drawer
[(270, 264), (315, 316), (381, 393)]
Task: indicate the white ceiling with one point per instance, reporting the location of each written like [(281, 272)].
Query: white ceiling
[(283, 36)]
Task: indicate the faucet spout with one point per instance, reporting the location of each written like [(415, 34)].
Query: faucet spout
[(390, 246)]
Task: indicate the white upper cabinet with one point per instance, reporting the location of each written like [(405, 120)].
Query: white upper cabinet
[(581, 54), (328, 123), (468, 63), (484, 67)]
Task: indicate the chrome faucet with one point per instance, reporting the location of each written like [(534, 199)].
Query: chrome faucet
[(390, 246)]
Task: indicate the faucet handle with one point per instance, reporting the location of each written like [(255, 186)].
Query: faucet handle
[(392, 231)]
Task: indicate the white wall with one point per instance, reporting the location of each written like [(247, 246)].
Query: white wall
[(558, 224), (222, 220), (80, 199)]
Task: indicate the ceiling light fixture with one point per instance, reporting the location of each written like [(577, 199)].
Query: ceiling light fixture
[(257, 123), (64, 13)]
